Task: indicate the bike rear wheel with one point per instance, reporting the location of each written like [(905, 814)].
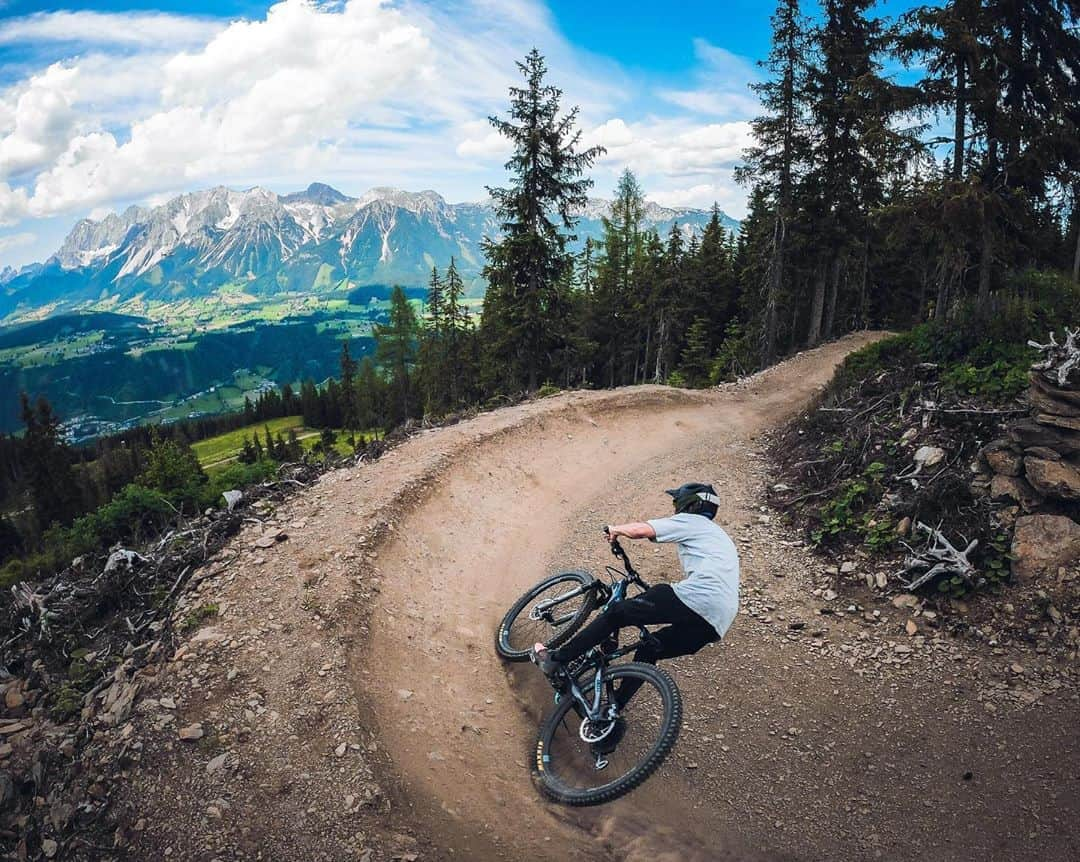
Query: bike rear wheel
[(549, 613), (568, 769)]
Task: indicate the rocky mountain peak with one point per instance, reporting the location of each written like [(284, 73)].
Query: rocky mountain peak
[(427, 201), (318, 193)]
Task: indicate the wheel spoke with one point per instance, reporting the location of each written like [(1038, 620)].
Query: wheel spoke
[(572, 762), (524, 632)]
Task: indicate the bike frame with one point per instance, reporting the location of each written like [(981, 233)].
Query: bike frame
[(598, 658)]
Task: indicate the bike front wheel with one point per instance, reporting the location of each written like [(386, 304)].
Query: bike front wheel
[(549, 613), (578, 762)]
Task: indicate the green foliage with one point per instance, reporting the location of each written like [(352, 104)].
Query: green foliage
[(879, 533), (81, 677), (738, 355), (525, 310), (849, 512), (1001, 380), (173, 469), (981, 349), (997, 560), (396, 345), (695, 356), (547, 390), (840, 515), (197, 617)]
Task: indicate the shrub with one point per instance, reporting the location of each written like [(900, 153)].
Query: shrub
[(737, 355), (676, 378)]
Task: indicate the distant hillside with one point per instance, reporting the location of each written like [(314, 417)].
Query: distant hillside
[(311, 241)]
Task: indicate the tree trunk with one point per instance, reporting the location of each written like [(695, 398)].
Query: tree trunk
[(986, 258), (1076, 221), (800, 286), (944, 274), (864, 296), (921, 307), (772, 292), (961, 109), (813, 335), (834, 289), (661, 347), (1076, 255)]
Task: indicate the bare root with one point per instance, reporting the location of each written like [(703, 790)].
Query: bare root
[(1059, 360), (938, 558)]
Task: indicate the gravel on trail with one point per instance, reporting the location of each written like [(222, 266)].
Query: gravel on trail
[(342, 699)]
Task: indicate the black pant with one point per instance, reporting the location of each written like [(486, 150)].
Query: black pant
[(687, 633)]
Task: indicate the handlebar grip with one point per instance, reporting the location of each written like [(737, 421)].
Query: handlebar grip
[(607, 529)]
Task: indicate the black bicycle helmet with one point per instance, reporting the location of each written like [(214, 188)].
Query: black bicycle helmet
[(695, 498)]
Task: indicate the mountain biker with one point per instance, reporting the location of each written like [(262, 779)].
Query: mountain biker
[(697, 610)]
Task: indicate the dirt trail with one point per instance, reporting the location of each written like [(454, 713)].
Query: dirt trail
[(349, 683), (486, 530)]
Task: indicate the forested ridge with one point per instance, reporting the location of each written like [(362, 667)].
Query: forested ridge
[(877, 198)]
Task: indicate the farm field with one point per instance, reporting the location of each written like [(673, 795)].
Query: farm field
[(215, 453), (228, 445)]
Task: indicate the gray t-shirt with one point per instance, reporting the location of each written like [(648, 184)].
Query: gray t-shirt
[(711, 564)]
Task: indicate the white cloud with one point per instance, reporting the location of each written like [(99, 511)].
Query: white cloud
[(722, 191), (671, 147), (13, 205), (480, 140), (256, 92), (354, 91), (16, 240), (105, 28), (36, 120)]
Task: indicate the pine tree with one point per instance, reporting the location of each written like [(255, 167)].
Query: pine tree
[(348, 389), (435, 301), (368, 395), (433, 370), (617, 303), (781, 152), (522, 309), (310, 405), (395, 350), (247, 452), (667, 303), (459, 362), (48, 469), (695, 356), (293, 450)]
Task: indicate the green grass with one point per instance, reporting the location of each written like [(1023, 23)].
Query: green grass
[(217, 454), (228, 445)]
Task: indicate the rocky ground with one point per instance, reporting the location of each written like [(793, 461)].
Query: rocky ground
[(335, 695)]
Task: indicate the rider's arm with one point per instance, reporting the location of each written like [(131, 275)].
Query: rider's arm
[(634, 530)]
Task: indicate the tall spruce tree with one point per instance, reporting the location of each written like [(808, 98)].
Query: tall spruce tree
[(523, 313), (48, 464), (618, 306), (395, 350), (349, 420), (850, 109), (781, 152)]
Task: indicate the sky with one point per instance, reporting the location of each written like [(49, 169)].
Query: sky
[(106, 104)]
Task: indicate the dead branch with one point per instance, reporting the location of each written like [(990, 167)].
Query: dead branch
[(938, 558), (1059, 360)]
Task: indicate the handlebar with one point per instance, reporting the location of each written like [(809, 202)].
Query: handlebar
[(618, 551)]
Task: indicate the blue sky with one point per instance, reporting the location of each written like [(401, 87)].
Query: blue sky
[(107, 104)]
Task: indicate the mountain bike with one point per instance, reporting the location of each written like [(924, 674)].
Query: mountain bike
[(613, 724)]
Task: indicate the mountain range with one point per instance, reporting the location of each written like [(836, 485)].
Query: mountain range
[(309, 241)]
